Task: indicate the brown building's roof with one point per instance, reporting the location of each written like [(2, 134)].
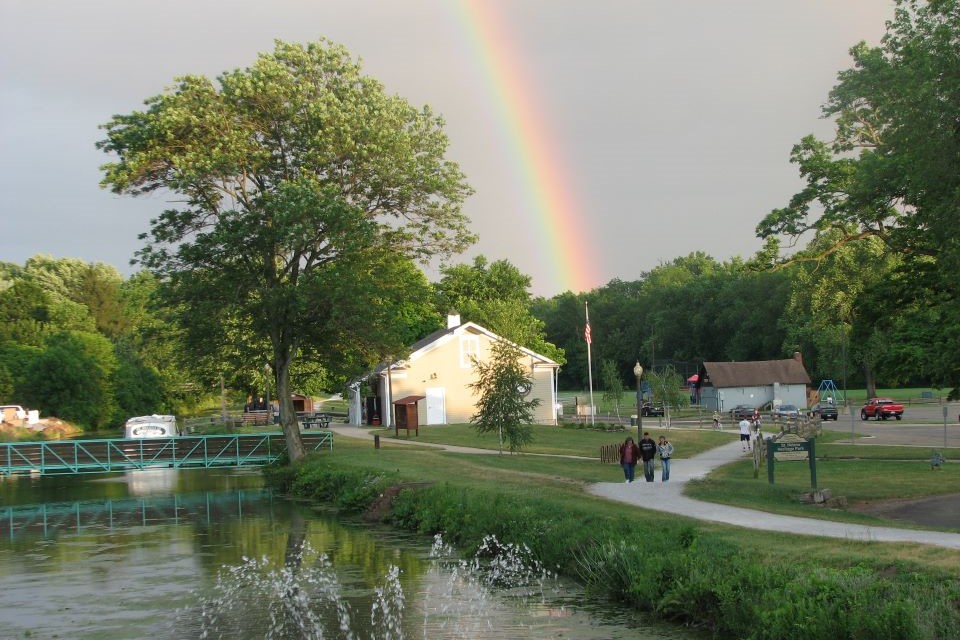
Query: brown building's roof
[(752, 374)]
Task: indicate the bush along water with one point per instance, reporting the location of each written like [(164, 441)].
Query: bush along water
[(678, 573)]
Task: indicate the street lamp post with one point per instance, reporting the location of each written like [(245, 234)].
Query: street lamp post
[(638, 371)]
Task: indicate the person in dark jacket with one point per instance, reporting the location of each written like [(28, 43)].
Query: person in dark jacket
[(629, 454), (648, 450)]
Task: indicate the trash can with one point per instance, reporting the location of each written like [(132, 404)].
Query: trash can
[(633, 420)]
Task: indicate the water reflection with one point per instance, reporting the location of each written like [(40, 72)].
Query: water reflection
[(49, 519), (212, 554)]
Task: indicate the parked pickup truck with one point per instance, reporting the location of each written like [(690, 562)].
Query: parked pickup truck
[(881, 409)]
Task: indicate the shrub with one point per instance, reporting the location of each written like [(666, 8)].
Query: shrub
[(349, 491), (679, 572)]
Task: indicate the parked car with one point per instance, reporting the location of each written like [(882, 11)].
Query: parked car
[(881, 409), (741, 411), (648, 409), (825, 411), (786, 411)]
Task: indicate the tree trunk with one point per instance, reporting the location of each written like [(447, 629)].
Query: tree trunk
[(868, 380), (288, 415)]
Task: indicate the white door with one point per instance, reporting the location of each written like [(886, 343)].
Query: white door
[(436, 410)]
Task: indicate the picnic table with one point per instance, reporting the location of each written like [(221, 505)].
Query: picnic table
[(315, 420)]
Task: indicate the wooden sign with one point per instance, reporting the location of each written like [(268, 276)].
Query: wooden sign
[(792, 447)]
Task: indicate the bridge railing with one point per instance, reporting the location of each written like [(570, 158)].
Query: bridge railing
[(122, 454), (49, 518)]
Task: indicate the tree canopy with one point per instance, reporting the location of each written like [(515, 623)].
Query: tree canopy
[(496, 296), (301, 188), (892, 172)]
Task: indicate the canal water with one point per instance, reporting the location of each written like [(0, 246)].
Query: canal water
[(172, 554)]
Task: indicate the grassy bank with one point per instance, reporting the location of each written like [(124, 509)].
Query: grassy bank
[(736, 582), (861, 474), (568, 441)]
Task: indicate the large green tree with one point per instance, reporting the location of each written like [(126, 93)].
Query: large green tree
[(892, 172), (73, 378), (300, 185), (495, 295)]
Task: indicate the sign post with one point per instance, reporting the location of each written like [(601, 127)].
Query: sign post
[(944, 426), (792, 447), (853, 412)]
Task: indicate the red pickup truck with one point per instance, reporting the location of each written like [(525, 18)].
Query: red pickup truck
[(881, 409)]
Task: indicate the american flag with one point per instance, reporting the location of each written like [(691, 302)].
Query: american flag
[(586, 333)]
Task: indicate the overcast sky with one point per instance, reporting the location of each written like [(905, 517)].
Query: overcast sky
[(672, 119)]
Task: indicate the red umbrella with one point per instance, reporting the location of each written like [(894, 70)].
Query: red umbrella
[(694, 378)]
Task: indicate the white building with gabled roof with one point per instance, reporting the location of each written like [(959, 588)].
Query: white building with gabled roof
[(440, 369)]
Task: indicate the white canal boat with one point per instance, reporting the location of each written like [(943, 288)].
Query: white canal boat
[(154, 426)]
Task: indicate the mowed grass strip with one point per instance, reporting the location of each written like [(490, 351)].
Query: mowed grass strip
[(859, 481), (860, 473), (561, 482), (566, 441)]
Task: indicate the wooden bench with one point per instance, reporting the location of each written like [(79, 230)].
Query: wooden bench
[(260, 416)]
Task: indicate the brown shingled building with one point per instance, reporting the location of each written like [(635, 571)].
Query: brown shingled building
[(761, 383)]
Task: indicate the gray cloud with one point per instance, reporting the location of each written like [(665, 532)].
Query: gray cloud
[(675, 118)]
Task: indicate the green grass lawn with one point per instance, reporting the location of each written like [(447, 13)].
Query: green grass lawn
[(566, 440), (564, 480), (859, 473), (858, 480)]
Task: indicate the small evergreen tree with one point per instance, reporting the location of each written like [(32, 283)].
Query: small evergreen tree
[(612, 385), (502, 384), (668, 388)]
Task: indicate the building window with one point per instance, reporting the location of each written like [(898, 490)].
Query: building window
[(469, 349)]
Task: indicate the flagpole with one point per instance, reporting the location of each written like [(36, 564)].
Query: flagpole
[(589, 338)]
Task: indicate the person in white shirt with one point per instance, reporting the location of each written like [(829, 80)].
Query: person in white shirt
[(745, 434)]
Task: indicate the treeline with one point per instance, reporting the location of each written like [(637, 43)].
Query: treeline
[(694, 309), (80, 342), (679, 314), (872, 293)]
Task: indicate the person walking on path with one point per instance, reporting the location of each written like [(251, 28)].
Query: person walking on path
[(629, 454), (745, 434), (648, 451), (665, 449)]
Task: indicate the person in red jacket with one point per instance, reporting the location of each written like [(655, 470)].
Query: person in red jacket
[(629, 454)]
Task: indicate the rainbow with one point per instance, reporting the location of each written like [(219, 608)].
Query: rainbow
[(567, 248)]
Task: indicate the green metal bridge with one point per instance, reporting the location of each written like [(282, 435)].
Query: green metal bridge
[(123, 454)]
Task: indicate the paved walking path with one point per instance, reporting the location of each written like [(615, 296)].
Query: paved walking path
[(668, 497)]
